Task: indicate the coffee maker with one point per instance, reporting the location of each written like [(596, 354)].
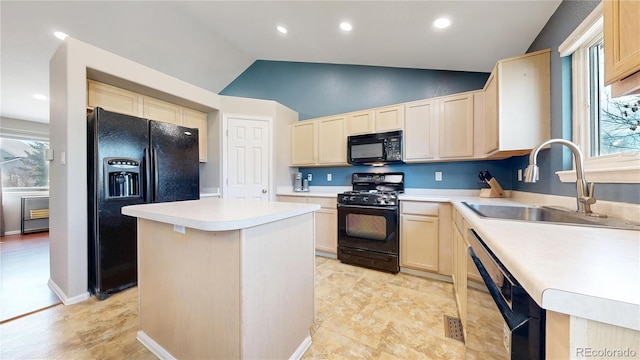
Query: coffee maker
[(297, 183)]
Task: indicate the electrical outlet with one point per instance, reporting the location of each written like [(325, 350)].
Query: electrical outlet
[(329, 177), (519, 174), (309, 177), (438, 175), (179, 228)]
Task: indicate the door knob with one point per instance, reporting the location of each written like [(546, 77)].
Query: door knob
[(264, 191)]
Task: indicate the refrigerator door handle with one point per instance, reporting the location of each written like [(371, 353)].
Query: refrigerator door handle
[(147, 176), (155, 174)]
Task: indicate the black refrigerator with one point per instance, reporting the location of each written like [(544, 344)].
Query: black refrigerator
[(131, 161)]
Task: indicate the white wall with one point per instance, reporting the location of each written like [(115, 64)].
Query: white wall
[(68, 189), (282, 116)]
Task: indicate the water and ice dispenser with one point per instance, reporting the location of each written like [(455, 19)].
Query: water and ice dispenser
[(122, 178)]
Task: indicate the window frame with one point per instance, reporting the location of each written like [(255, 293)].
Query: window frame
[(611, 168)]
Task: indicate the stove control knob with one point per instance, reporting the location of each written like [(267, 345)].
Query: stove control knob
[(352, 198), (365, 199)]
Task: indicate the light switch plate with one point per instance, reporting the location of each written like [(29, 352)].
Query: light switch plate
[(438, 175), (329, 177)]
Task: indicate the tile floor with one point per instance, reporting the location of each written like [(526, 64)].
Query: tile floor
[(360, 313)]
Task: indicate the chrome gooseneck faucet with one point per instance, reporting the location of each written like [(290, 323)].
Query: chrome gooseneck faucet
[(584, 194)]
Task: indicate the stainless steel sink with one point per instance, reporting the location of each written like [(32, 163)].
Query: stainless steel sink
[(549, 215)]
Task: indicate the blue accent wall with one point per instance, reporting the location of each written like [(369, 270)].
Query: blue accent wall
[(315, 90)]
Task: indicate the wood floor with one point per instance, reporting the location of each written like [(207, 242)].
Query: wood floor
[(24, 266)]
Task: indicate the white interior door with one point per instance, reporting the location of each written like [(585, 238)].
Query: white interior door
[(248, 154)]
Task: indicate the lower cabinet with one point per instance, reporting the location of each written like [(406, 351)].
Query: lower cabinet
[(419, 235), (326, 220)]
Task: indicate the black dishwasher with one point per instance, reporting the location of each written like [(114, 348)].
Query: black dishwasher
[(503, 321)]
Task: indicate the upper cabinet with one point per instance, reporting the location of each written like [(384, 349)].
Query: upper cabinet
[(127, 102), (622, 46), (456, 126), (360, 122), (112, 98), (304, 150), (517, 105), (420, 130), (389, 118), (332, 140), (154, 109)]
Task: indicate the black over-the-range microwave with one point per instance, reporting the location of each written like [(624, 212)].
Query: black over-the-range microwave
[(373, 149)]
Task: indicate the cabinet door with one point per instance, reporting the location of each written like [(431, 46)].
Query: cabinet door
[(327, 230), (198, 120), (460, 285), (389, 118), (621, 39), (420, 131), (456, 126), (491, 114), (292, 199), (360, 122), (112, 98), (159, 110), (332, 140), (303, 143), (419, 242)]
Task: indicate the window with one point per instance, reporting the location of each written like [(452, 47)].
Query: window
[(23, 163), (606, 129)]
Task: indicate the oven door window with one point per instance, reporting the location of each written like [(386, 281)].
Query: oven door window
[(372, 227)]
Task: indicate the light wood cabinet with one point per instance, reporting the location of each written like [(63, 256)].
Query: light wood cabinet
[(622, 46), (360, 122), (621, 39), (420, 131), (326, 228), (459, 275), (419, 235), (332, 140), (456, 123), (159, 110), (517, 105), (389, 118), (198, 120), (112, 98), (304, 150), (126, 102)]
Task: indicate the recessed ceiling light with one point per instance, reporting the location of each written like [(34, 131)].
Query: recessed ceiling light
[(442, 23), (60, 35), (40, 97), (345, 26), (282, 29)]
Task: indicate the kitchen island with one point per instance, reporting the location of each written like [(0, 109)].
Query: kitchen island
[(228, 279)]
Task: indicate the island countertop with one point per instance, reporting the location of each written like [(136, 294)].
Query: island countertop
[(213, 214)]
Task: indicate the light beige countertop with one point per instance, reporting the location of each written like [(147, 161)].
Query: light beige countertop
[(213, 214), (588, 272)]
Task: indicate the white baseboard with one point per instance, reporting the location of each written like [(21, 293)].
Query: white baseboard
[(304, 346), (12, 232), (63, 297), (153, 346), (326, 254)]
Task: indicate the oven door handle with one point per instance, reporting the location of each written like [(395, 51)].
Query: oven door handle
[(392, 208), (513, 319)]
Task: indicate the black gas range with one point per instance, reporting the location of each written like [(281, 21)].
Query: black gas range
[(368, 221)]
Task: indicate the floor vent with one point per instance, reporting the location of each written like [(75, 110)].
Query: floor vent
[(453, 328)]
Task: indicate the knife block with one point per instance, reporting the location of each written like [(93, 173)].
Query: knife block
[(494, 191)]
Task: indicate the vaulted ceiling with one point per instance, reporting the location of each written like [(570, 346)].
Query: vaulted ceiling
[(210, 43)]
